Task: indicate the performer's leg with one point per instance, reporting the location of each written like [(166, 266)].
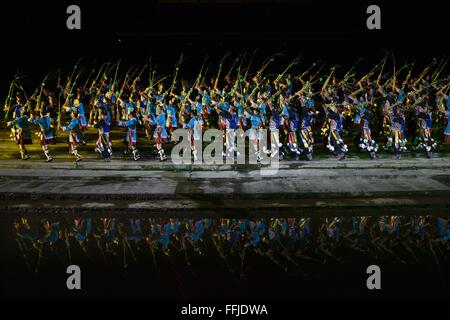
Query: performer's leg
[(74, 151), (194, 153), (47, 152), (397, 150), (337, 149), (135, 153), (23, 152), (134, 150), (161, 152), (108, 143), (305, 144)]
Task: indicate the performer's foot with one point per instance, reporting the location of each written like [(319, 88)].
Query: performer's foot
[(309, 157), (49, 159), (398, 156), (273, 154), (258, 157), (162, 155)]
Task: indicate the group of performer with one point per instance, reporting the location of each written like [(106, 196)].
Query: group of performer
[(296, 106), (285, 241)]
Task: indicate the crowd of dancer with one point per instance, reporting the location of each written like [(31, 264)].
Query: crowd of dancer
[(284, 241), (297, 105)]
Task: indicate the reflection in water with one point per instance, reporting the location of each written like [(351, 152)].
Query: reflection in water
[(287, 243)]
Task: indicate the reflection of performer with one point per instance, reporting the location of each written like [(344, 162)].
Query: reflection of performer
[(284, 241)]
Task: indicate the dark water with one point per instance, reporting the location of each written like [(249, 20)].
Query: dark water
[(214, 258)]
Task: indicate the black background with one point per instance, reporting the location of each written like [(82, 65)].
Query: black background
[(36, 40)]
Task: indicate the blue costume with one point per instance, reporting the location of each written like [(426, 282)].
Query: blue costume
[(447, 116), (366, 142), (131, 136), (46, 134), (131, 124), (426, 142), (74, 136), (335, 142), (22, 134)]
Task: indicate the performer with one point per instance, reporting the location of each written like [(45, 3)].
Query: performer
[(228, 122), (78, 107), (398, 137), (18, 106), (274, 127), (245, 103), (363, 117), (255, 133), (47, 132), (446, 112), (171, 112), (74, 135), (131, 136), (335, 142), (160, 133), (306, 139), (128, 106), (426, 142), (22, 133), (289, 123), (293, 121), (195, 132), (104, 145)]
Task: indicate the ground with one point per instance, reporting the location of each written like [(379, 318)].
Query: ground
[(355, 185), (415, 185)]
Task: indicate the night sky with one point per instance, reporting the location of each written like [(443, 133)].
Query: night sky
[(38, 41)]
